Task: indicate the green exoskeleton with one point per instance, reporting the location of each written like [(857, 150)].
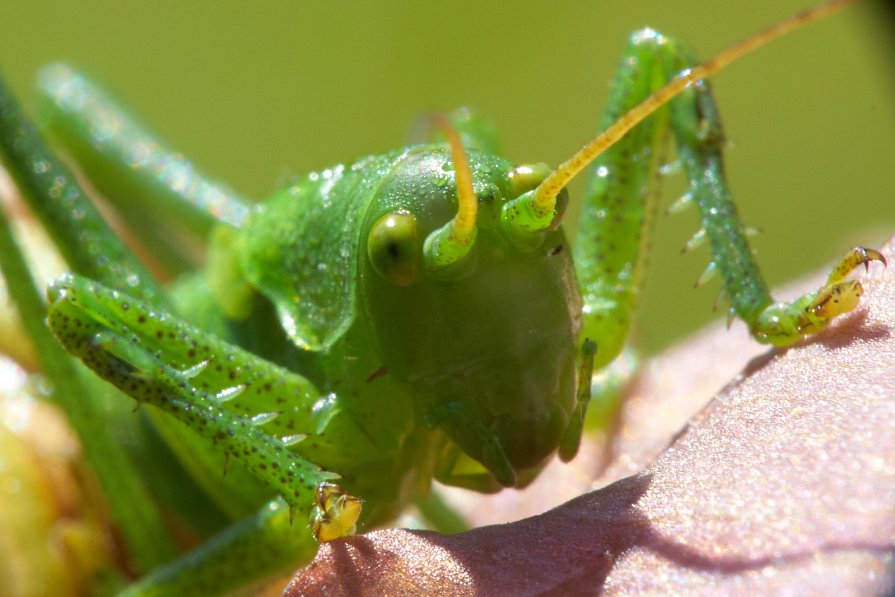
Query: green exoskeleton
[(414, 315)]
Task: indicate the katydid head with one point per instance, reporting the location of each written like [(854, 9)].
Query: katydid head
[(440, 284)]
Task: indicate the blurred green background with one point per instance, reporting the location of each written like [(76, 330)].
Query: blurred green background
[(256, 92)]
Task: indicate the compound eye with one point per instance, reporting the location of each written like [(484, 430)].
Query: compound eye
[(394, 248)]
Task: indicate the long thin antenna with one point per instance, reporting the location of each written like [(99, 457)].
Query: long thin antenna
[(546, 193), (449, 245), (467, 202)]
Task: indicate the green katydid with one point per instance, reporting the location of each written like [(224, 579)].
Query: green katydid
[(416, 314)]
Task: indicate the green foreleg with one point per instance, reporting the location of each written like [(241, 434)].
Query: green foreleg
[(251, 411), (223, 393), (610, 247), (568, 445), (248, 551)]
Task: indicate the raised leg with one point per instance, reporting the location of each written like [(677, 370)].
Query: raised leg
[(613, 237)]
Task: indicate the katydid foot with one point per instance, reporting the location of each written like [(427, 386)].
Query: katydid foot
[(784, 323)]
